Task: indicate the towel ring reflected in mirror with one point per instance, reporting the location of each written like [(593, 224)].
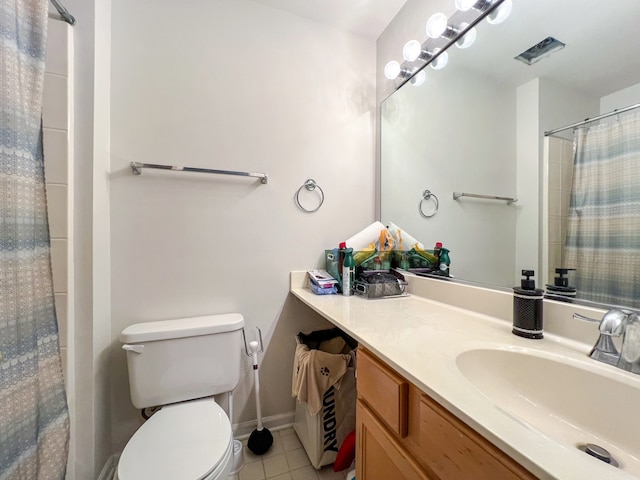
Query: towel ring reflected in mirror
[(309, 185), (427, 195)]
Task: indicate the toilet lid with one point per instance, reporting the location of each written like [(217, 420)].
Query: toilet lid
[(181, 441)]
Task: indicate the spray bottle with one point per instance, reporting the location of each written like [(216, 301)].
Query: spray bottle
[(348, 272), (445, 261)]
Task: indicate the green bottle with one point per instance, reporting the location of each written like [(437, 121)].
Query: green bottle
[(444, 261), (348, 272)]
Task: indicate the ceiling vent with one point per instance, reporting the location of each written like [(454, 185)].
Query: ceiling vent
[(541, 50)]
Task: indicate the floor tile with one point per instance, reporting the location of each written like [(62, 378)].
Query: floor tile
[(285, 460), (290, 442), (306, 473), (327, 473), (275, 465), (297, 458), (252, 471), (284, 476)]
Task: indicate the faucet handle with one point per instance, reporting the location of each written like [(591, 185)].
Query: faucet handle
[(612, 322)]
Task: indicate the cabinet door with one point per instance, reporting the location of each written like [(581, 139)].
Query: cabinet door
[(386, 392), (454, 451), (379, 456)]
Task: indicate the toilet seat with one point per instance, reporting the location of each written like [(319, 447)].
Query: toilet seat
[(183, 441)]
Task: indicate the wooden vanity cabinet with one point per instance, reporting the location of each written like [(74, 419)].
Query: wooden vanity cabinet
[(402, 433)]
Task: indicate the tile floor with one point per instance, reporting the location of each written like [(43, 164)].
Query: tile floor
[(285, 460)]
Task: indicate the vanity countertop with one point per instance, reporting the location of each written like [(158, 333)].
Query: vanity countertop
[(421, 339)]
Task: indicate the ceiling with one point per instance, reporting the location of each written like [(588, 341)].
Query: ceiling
[(602, 41), (367, 18)]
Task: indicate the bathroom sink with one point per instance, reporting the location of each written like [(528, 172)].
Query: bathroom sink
[(572, 402)]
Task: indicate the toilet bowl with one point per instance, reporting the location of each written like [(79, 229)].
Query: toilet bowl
[(185, 441), (181, 364)]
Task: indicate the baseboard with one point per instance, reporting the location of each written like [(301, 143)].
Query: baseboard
[(275, 423), (109, 469)]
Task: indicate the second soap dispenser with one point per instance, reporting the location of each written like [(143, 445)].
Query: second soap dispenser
[(527, 308)]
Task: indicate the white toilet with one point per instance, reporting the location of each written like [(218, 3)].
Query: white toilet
[(180, 364)]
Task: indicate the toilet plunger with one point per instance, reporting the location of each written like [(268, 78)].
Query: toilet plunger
[(260, 439)]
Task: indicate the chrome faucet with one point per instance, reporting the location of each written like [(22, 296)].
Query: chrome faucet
[(613, 324)]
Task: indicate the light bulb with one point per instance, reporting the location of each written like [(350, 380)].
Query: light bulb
[(464, 5), (467, 40), (436, 25), (440, 62), (501, 13), (392, 70), (411, 50), (419, 78)]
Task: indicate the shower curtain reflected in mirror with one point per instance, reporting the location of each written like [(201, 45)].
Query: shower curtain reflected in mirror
[(34, 420), (603, 230)]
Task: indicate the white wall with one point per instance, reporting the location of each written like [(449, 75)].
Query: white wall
[(239, 86), (431, 140), (57, 121), (89, 334), (620, 99)]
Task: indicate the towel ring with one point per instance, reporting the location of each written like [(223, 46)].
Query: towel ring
[(427, 195), (310, 184)]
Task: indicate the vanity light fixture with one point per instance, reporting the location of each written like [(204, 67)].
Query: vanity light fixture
[(459, 30), (413, 51), (501, 13), (468, 38), (479, 5), (440, 62), (438, 26), (393, 70), (464, 5), (419, 78)]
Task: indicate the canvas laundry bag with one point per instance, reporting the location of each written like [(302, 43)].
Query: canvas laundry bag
[(322, 433)]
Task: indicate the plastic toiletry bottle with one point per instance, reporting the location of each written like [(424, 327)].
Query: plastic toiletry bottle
[(404, 261), (445, 261), (437, 250), (341, 248), (348, 272)]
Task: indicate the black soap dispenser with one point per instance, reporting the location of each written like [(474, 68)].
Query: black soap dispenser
[(527, 308), (561, 290)]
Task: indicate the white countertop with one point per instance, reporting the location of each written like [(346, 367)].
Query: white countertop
[(421, 339)]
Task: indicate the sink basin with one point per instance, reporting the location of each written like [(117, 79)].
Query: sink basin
[(570, 401)]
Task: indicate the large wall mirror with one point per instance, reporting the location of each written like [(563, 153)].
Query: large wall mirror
[(478, 126)]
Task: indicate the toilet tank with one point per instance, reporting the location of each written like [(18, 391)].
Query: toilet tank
[(175, 360)]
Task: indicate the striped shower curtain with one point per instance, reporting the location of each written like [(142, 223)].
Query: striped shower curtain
[(603, 230), (34, 420)]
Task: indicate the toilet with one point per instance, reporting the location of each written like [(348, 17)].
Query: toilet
[(179, 364)]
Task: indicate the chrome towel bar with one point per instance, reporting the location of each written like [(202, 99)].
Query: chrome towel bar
[(509, 200), (136, 169)]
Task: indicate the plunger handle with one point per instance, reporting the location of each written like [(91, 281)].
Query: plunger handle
[(253, 346)]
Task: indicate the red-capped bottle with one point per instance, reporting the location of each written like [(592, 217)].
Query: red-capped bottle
[(436, 252)]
